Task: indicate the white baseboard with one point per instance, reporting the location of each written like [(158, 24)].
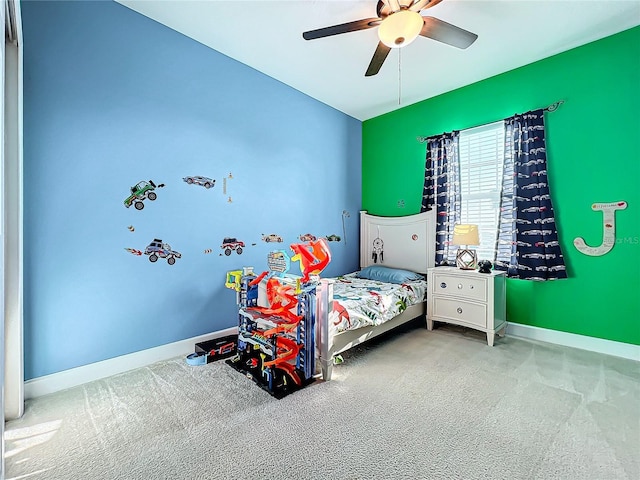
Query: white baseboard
[(55, 382), (608, 347)]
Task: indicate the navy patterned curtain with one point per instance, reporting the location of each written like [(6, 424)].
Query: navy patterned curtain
[(442, 192), (527, 246)]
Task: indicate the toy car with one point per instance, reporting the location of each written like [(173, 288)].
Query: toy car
[(230, 243), (140, 192), (198, 180), (272, 238), (156, 249)]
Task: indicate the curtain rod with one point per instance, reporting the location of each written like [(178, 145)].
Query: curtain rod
[(551, 108)]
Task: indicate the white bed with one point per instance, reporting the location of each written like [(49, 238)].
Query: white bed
[(407, 243)]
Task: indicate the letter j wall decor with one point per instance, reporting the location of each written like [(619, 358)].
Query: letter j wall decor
[(609, 229)]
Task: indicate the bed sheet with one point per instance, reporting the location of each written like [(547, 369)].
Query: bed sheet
[(359, 302)]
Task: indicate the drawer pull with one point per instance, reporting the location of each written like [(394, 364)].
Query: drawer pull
[(459, 286), (471, 287), (459, 310), (443, 285)]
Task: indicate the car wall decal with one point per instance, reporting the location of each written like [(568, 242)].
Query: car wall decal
[(140, 192), (271, 237), (230, 244), (333, 238), (206, 182), (159, 249), (307, 237)]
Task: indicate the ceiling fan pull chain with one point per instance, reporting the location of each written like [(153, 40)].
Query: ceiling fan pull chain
[(399, 77)]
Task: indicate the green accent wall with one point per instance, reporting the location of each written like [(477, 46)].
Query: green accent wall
[(593, 148)]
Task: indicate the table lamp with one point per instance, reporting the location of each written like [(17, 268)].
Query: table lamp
[(466, 234)]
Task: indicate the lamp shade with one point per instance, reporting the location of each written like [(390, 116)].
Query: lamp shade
[(465, 234), (400, 28)]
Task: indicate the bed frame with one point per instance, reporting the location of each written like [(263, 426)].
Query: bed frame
[(409, 243)]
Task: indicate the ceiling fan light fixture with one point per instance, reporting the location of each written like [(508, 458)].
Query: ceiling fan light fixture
[(400, 28)]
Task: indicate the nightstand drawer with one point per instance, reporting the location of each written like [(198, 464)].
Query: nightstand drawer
[(458, 285), (460, 311)]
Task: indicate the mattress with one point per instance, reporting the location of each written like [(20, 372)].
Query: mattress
[(359, 302)]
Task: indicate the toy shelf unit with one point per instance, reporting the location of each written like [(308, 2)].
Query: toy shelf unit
[(276, 341)]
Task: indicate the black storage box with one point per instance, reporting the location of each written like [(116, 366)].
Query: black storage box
[(218, 348)]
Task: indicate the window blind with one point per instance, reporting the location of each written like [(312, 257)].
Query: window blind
[(481, 151)]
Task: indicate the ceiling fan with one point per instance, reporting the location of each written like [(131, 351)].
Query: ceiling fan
[(399, 23)]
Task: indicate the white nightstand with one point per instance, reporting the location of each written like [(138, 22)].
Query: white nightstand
[(467, 298)]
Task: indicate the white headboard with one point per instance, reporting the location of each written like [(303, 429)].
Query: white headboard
[(408, 242)]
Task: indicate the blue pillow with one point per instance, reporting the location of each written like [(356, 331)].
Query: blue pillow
[(388, 274)]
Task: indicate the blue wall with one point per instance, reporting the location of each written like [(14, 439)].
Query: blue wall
[(112, 98)]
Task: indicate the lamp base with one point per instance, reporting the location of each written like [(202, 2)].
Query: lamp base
[(466, 259)]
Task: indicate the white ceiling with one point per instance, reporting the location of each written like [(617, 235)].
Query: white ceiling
[(267, 35)]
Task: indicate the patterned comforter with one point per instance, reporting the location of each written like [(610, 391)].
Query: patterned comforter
[(359, 303)]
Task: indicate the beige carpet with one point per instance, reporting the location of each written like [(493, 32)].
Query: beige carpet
[(414, 405)]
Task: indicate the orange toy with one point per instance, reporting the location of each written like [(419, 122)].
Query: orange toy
[(290, 351), (281, 301), (314, 257)]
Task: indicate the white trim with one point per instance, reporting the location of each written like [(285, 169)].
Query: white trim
[(12, 223), (600, 345), (2, 241), (73, 377), (12, 228)]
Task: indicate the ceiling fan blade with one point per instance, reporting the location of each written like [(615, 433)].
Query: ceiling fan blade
[(379, 56), (423, 4), (394, 5), (342, 28), (446, 33)]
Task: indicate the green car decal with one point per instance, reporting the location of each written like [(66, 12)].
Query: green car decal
[(141, 191)]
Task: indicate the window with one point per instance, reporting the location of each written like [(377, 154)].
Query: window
[(481, 152), (495, 176)]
